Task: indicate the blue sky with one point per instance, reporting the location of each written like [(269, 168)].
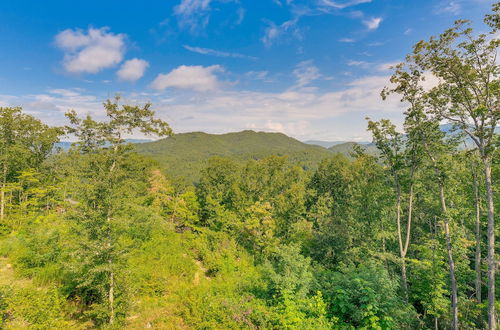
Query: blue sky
[(310, 69)]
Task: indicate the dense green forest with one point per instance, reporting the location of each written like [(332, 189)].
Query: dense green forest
[(262, 231), (184, 155)]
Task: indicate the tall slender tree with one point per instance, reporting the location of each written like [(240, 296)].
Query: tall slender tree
[(103, 146)]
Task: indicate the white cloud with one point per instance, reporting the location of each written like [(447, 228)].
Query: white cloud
[(259, 75), (218, 53), (302, 113), (373, 23), (347, 40), (197, 78), (453, 7), (387, 66), (90, 51), (241, 15), (195, 14), (273, 32), (132, 69), (362, 64), (306, 72), (343, 4)]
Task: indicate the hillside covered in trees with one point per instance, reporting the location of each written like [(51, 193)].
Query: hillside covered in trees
[(270, 233), (184, 155)]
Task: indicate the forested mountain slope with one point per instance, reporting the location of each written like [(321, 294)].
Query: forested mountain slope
[(184, 155)]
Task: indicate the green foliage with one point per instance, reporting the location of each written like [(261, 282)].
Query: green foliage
[(366, 297), (33, 309), (183, 156)]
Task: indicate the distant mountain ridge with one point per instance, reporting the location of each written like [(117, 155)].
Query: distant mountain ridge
[(329, 144), (65, 145), (185, 154)]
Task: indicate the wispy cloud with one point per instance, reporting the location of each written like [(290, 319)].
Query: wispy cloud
[(453, 7), (387, 66), (218, 53), (306, 72), (195, 14), (259, 75), (90, 51), (347, 40), (274, 32), (342, 4), (362, 64)]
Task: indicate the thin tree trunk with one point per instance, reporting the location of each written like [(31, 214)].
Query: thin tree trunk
[(400, 240), (402, 249), (111, 295), (111, 292), (477, 260), (2, 192), (492, 324), (451, 263)]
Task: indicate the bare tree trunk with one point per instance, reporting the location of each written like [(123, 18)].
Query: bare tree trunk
[(400, 240), (111, 295), (451, 263), (2, 192), (454, 293), (477, 260), (403, 248), (492, 322)]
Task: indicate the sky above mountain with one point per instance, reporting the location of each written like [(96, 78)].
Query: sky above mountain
[(310, 69)]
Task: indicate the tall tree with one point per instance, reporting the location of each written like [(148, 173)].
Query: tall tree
[(105, 156), (426, 138), (467, 95), (397, 158)]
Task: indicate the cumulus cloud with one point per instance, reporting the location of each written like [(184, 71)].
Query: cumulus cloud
[(132, 69), (218, 53), (196, 77), (373, 23), (90, 51)]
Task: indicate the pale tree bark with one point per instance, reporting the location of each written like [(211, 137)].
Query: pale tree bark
[(492, 322), (477, 259), (403, 248), (451, 263), (111, 291), (449, 246), (2, 192)]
